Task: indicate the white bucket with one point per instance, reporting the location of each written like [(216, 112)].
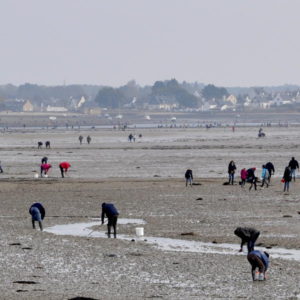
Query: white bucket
[(36, 175), (139, 231)]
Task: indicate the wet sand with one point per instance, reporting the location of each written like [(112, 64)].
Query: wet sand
[(145, 181)]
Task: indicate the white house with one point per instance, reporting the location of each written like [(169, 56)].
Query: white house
[(56, 109)]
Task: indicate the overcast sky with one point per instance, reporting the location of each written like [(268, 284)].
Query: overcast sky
[(109, 42)]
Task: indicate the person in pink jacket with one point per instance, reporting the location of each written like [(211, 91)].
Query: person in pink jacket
[(243, 176)]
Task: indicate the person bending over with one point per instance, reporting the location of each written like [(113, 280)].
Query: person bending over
[(109, 210), (247, 235), (258, 259), (64, 166), (37, 212)]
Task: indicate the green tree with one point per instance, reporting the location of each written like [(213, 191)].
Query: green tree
[(172, 90), (110, 97), (212, 92)]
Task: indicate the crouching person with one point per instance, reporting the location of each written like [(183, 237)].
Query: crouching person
[(258, 259), (247, 235), (112, 214), (37, 212)]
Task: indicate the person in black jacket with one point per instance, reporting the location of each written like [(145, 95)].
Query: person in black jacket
[(293, 164), (287, 177), (271, 170), (109, 210), (248, 235), (251, 178), (188, 177), (1, 170), (231, 171), (44, 160)]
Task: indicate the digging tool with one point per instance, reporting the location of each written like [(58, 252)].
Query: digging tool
[(95, 230)]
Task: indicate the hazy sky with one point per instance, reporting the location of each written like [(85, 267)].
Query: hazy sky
[(109, 42)]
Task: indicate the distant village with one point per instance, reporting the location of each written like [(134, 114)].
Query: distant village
[(162, 96)]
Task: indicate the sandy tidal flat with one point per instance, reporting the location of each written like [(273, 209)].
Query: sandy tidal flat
[(145, 181)]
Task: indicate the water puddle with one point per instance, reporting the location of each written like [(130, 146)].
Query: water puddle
[(166, 244)]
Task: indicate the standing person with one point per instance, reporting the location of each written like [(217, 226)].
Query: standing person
[(271, 170), (251, 178), (231, 171), (243, 176), (64, 166), (80, 138), (293, 164), (44, 160), (287, 178), (247, 235), (1, 170), (188, 177), (37, 212), (258, 259), (264, 176), (88, 139), (44, 169), (112, 214), (47, 144)]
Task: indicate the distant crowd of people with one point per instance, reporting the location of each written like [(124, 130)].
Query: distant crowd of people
[(268, 170), (248, 175)]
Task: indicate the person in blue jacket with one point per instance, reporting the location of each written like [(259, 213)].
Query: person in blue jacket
[(109, 210), (37, 212), (258, 259), (264, 176)]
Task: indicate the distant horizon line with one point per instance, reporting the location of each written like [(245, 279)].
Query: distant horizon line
[(180, 82)]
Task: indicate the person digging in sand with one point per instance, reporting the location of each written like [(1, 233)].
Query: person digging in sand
[(247, 235), (109, 210), (258, 259), (37, 212)]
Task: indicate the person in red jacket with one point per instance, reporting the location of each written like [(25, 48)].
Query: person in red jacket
[(64, 166), (44, 169), (243, 176)]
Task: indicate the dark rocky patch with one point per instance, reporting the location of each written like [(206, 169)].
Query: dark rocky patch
[(82, 298), (187, 233), (25, 282), (135, 254), (111, 255)]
